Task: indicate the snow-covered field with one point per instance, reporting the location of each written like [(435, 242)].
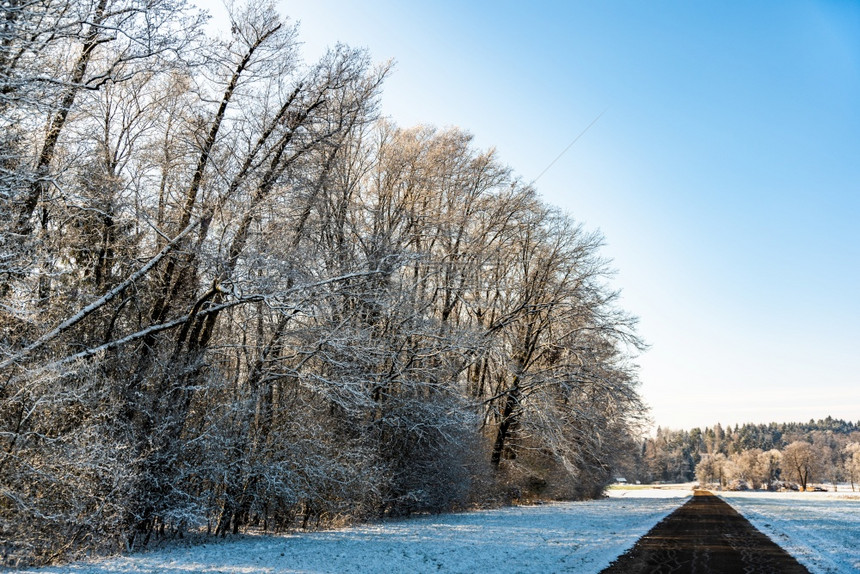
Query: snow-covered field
[(820, 529), (582, 537)]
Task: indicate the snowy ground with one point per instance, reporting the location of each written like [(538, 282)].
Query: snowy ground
[(820, 529), (582, 537)]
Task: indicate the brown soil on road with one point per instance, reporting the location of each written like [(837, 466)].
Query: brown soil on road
[(705, 536)]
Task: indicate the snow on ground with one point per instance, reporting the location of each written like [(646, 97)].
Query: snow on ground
[(651, 491), (580, 537), (820, 529)]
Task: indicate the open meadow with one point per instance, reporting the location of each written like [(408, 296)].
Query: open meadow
[(817, 528), (581, 537), (820, 529)]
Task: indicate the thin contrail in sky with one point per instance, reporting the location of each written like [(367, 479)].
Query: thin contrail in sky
[(570, 145)]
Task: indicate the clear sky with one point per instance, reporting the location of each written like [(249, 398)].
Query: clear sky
[(724, 174)]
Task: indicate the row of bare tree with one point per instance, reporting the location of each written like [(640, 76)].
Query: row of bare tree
[(751, 455), (799, 465), (231, 295)]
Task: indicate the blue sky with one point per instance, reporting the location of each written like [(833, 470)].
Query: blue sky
[(725, 172)]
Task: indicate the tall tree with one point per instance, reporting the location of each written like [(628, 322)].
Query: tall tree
[(799, 463)]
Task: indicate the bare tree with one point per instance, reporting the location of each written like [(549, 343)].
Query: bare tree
[(852, 462), (799, 463), (712, 468), (769, 463)]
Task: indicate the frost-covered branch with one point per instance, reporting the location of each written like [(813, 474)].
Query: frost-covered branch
[(98, 303)]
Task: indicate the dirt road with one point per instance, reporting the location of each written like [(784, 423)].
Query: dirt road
[(705, 536)]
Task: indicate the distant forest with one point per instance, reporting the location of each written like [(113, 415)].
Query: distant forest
[(675, 455), (233, 296)]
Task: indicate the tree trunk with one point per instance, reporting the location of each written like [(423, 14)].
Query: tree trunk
[(46, 155), (508, 421)]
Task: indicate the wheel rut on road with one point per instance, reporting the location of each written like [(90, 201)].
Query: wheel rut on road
[(705, 536)]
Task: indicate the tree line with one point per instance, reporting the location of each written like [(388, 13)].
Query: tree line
[(233, 295), (775, 455)]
